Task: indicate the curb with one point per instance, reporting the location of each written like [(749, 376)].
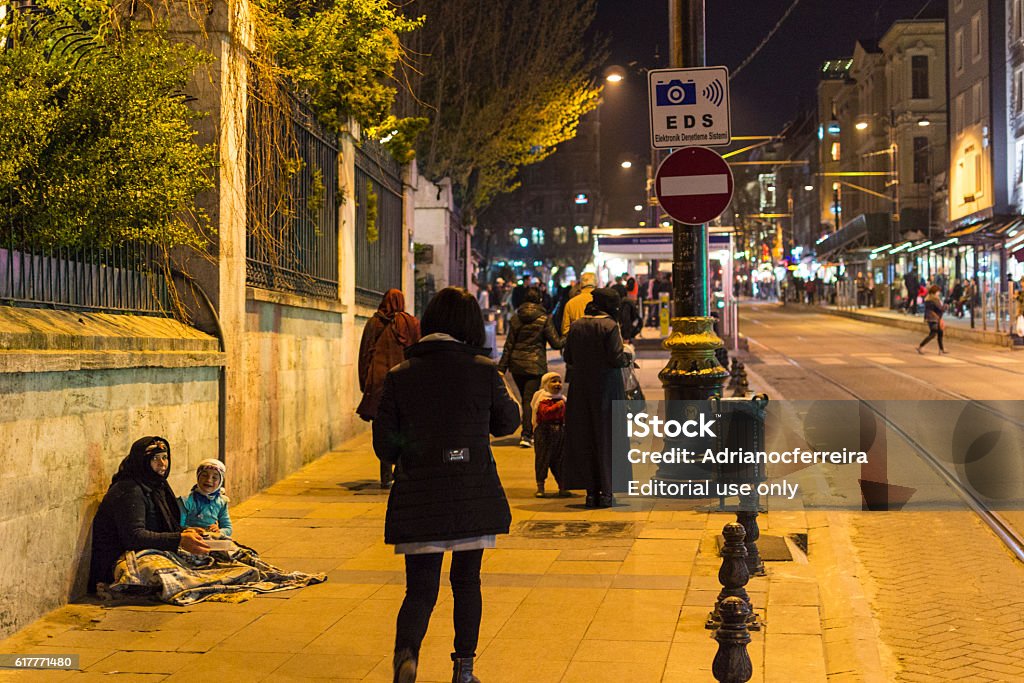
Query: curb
[(951, 332)]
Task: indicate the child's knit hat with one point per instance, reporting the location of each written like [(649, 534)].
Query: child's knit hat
[(213, 464)]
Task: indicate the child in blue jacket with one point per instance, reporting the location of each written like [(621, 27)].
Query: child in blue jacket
[(206, 506)]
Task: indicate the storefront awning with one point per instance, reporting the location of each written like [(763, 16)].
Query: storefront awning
[(990, 229)]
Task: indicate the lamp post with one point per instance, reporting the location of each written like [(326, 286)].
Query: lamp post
[(693, 371)]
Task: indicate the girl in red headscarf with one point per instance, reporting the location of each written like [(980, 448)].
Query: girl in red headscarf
[(385, 338)]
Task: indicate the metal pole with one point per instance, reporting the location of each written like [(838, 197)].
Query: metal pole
[(693, 372)]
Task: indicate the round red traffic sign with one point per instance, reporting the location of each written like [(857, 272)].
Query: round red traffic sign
[(694, 185)]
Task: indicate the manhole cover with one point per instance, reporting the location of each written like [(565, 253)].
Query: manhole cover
[(551, 528)]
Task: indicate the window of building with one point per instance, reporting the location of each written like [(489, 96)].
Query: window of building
[(1018, 91), (538, 235), (959, 113), (1018, 167), (558, 234), (976, 102), (976, 37), (582, 233), (919, 77), (958, 51), (970, 170), (920, 160), (835, 151)]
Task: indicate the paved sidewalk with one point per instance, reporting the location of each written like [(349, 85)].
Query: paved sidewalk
[(590, 602)]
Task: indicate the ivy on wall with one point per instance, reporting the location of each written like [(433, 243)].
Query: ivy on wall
[(372, 234)]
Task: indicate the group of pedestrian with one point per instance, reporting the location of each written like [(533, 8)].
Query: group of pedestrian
[(576, 443)]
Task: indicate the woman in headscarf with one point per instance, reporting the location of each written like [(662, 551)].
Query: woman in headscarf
[(139, 511), (594, 353), (386, 336)]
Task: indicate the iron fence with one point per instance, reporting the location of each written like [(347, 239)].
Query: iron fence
[(292, 203), (118, 280), (378, 261)]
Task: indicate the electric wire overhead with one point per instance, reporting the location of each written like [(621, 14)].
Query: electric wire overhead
[(764, 42)]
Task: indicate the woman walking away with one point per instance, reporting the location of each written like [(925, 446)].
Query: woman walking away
[(593, 350), (435, 415), (933, 310), (526, 355), (548, 410), (386, 336)]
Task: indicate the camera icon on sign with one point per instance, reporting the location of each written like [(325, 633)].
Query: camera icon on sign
[(675, 92)]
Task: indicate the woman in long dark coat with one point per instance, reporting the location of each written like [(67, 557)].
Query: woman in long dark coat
[(436, 416), (593, 350), (386, 336)]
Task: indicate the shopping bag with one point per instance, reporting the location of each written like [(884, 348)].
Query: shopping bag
[(629, 379)]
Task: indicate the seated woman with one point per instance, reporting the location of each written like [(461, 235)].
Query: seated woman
[(138, 545), (139, 511)]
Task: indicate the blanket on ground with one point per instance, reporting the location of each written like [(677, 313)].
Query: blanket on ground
[(185, 579)]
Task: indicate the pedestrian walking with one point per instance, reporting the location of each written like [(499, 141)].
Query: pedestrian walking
[(548, 408), (577, 306), (630, 322), (956, 298), (933, 310), (595, 355), (385, 337), (437, 411), (525, 354), (911, 282)]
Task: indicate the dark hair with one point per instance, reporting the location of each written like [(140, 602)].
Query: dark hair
[(532, 296), (454, 311), (631, 283)]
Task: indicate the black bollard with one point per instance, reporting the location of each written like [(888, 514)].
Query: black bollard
[(734, 373), (733, 575), (732, 661), (746, 515)]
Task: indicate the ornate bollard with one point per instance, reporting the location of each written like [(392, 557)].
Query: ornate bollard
[(733, 575), (742, 386), (734, 373), (732, 661), (746, 515)]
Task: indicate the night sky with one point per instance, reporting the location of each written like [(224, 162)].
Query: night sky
[(769, 91)]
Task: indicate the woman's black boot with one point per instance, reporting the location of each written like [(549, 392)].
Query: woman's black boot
[(462, 672), (405, 666), (592, 500)]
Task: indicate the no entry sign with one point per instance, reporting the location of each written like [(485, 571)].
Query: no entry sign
[(694, 185)]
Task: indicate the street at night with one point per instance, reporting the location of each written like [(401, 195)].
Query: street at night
[(526, 341)]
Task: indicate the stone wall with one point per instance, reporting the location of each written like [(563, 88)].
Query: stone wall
[(75, 391), (301, 386)]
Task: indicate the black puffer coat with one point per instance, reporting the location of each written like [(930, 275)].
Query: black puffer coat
[(525, 353), (434, 421)]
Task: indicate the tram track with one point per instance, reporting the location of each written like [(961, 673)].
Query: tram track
[(1011, 537)]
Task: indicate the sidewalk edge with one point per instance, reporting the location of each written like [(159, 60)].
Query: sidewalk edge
[(851, 633)]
